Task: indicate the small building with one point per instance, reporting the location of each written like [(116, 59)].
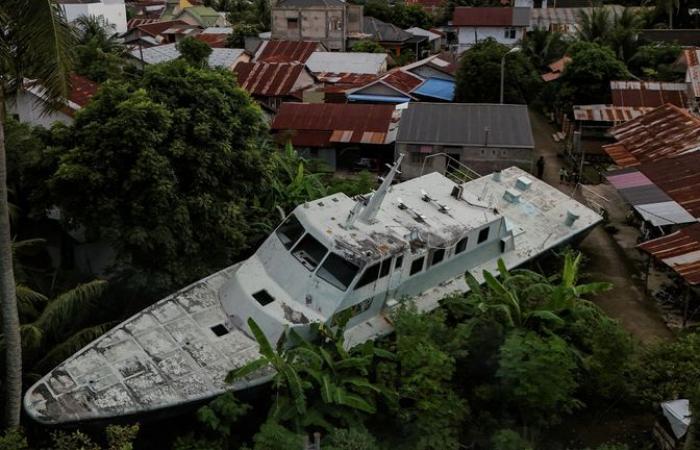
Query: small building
[(402, 85), (272, 84), (27, 106), (475, 24), (219, 57), (483, 137), (387, 35), (347, 62), (648, 94), (330, 22), (442, 66), (565, 20), (339, 134), (199, 15), (148, 33), (435, 41), (113, 11)]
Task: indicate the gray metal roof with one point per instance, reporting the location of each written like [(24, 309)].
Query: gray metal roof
[(465, 124), (384, 32), (220, 57)]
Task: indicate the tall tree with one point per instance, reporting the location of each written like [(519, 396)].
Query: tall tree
[(35, 42)]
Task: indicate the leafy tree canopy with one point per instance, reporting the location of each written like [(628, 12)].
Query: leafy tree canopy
[(194, 51), (368, 46), (166, 169), (479, 75)]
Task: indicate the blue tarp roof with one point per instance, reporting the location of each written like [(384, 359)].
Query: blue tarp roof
[(378, 98), (437, 88)]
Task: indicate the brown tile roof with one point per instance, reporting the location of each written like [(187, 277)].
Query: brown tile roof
[(329, 123), (268, 79), (648, 93), (82, 89), (287, 51), (213, 40), (663, 132), (156, 28), (680, 251)]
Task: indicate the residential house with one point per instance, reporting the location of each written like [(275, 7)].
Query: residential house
[(273, 83), (474, 24), (27, 105), (435, 41), (147, 33), (404, 85), (113, 11), (442, 66), (199, 15), (664, 132), (215, 37), (339, 134), (565, 19), (387, 35), (330, 22), (347, 62), (482, 137), (276, 51), (219, 57)]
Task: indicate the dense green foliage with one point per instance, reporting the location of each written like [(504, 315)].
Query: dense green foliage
[(479, 75), (398, 13), (99, 52), (194, 51), (367, 46)]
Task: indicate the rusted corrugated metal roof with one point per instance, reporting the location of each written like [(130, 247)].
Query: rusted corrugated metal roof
[(679, 177), (468, 16), (692, 74), (556, 69), (268, 79), (663, 132), (346, 123), (648, 93), (286, 51), (403, 81), (213, 40), (608, 113), (157, 28), (345, 79), (680, 251)]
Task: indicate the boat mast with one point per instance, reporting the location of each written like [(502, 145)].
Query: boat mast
[(369, 213)]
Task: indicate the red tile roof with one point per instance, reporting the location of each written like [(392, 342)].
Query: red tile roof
[(663, 132), (680, 251), (287, 51), (648, 93), (156, 28), (268, 79), (82, 89), (213, 40), (485, 17), (319, 124)]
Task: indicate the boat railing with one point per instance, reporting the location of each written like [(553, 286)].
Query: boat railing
[(455, 170)]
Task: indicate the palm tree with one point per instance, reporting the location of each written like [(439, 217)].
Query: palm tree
[(596, 26), (35, 42), (544, 47), (97, 31), (623, 36)]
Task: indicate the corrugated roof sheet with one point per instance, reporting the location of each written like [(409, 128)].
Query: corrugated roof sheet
[(403, 81), (268, 79), (663, 132), (468, 16), (137, 21), (608, 113), (156, 28), (307, 3), (342, 123), (213, 40), (437, 88), (347, 62), (544, 17), (466, 124), (219, 57), (680, 251), (679, 177), (81, 89), (286, 51), (648, 93)]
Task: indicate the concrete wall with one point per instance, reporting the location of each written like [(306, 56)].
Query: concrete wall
[(113, 11), (27, 109), (468, 36), (482, 160), (327, 25)]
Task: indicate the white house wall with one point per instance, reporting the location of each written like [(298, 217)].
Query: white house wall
[(25, 107), (468, 36), (113, 11)]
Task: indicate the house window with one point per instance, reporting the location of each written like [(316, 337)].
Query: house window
[(292, 23), (483, 235), (417, 265), (509, 33), (437, 255), (462, 245)]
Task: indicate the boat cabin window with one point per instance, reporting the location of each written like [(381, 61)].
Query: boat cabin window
[(309, 251), (290, 231), (398, 262), (386, 266), (461, 245), (483, 235), (437, 255), (417, 265), (337, 271), (369, 276)]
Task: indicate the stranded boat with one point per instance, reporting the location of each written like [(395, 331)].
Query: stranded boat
[(412, 239)]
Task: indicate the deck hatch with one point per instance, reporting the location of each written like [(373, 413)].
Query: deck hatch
[(219, 330), (263, 297)]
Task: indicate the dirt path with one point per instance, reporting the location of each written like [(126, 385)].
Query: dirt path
[(607, 261)]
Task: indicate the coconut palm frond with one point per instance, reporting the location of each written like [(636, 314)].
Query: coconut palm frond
[(70, 346), (28, 303), (71, 309), (44, 43)]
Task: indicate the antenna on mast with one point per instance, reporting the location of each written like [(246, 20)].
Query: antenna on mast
[(369, 213)]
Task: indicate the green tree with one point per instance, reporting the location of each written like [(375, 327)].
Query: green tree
[(367, 46), (170, 166), (623, 36), (543, 47), (350, 439), (194, 51), (595, 26), (479, 75), (656, 60), (240, 31), (99, 52), (35, 43)]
